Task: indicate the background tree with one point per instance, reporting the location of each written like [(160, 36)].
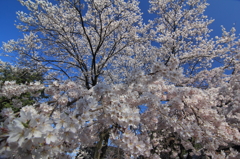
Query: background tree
[(19, 76), (103, 68)]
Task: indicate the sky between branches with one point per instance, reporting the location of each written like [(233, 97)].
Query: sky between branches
[(225, 12)]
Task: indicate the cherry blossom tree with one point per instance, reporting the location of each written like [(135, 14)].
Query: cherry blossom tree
[(104, 65)]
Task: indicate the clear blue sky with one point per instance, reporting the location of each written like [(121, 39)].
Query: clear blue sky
[(225, 12)]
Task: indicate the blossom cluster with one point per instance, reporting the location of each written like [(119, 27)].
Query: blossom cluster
[(10, 88)]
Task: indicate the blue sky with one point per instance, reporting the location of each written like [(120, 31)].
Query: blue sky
[(225, 12)]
